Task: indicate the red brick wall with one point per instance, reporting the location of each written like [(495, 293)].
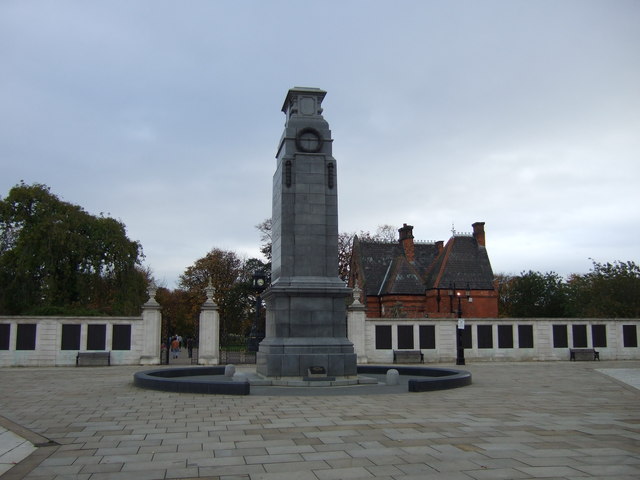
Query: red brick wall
[(483, 304)]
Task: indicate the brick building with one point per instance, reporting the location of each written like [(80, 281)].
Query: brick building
[(419, 279)]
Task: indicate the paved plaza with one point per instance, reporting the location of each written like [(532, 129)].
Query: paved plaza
[(555, 420)]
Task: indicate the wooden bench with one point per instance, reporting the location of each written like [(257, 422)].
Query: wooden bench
[(583, 354), (408, 356), (93, 359)]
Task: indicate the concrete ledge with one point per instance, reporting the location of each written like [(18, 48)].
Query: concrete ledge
[(211, 380), (186, 380), (430, 378)]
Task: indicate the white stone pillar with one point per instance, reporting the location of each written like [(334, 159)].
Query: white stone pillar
[(209, 335), (356, 318), (152, 323)]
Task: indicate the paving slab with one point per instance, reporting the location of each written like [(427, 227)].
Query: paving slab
[(551, 420), (13, 449)]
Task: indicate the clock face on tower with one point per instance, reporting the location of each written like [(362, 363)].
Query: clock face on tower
[(309, 140)]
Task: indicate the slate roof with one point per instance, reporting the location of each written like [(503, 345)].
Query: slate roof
[(464, 263), (373, 260), (402, 278), (383, 268)]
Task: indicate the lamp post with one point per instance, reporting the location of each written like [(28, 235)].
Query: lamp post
[(459, 332), (453, 292), (256, 335)]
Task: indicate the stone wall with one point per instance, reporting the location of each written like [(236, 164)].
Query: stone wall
[(493, 339), (38, 341)]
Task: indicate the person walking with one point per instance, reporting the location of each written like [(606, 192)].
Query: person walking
[(175, 347)]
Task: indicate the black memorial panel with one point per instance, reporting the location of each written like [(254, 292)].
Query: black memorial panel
[(383, 337), (96, 337), (485, 336), (599, 335), (405, 337), (427, 336), (505, 336), (560, 337), (525, 336), (579, 336), (26, 338), (70, 337), (121, 339), (5, 332)]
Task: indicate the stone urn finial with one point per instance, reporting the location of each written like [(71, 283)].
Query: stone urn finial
[(357, 291), (210, 291), (151, 291)]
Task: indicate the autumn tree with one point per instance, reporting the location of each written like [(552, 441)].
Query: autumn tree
[(55, 258), (231, 278), (178, 313)]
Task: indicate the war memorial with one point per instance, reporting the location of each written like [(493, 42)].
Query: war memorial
[(306, 302), (306, 342), (554, 420)]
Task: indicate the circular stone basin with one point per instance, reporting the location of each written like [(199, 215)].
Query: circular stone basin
[(428, 378), (191, 380), (211, 380)]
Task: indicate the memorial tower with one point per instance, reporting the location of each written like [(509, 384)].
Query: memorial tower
[(306, 302)]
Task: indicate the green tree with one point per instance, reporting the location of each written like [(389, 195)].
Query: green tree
[(532, 294), (55, 258), (609, 290)]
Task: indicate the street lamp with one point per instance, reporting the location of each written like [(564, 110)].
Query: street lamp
[(256, 335), (459, 332), (453, 292)]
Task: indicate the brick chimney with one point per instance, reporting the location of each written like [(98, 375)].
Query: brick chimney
[(406, 240), (478, 233), (440, 246)]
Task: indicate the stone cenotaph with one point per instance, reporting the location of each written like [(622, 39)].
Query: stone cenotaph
[(306, 301)]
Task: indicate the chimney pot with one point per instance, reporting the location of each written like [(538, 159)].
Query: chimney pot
[(478, 233), (406, 240)]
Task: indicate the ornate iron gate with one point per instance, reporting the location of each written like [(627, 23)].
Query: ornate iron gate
[(233, 349)]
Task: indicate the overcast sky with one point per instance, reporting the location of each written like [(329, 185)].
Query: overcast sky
[(166, 115)]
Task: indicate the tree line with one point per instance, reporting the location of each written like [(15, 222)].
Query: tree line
[(608, 290), (57, 259)]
